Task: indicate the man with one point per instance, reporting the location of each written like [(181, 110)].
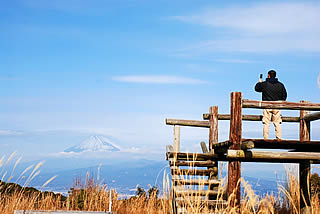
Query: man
[(272, 90)]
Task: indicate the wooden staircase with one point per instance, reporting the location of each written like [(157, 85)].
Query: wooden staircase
[(195, 183)]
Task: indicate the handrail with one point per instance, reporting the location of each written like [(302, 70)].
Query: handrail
[(251, 117), (280, 105), (196, 123)]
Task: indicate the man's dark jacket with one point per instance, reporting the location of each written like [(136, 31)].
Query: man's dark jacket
[(272, 90)]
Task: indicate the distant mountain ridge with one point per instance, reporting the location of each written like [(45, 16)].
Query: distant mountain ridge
[(95, 143)]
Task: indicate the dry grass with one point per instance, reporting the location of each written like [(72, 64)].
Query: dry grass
[(92, 196)]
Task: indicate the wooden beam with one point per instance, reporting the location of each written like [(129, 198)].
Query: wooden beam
[(246, 156), (251, 118), (194, 156), (193, 163), (198, 192), (200, 182), (224, 146), (234, 167), (280, 105), (194, 172), (304, 167), (176, 144), (277, 157), (285, 144), (195, 123), (312, 117)]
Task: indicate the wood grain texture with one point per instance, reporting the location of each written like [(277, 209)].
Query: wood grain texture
[(277, 157), (194, 123), (176, 143), (304, 167), (297, 145), (234, 167), (312, 116), (280, 105), (213, 129), (251, 118)]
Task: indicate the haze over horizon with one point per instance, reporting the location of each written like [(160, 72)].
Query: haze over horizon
[(72, 69)]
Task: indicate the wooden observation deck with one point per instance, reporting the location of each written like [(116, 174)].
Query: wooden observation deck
[(190, 170)]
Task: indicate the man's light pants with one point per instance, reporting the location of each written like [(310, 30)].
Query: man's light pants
[(273, 115)]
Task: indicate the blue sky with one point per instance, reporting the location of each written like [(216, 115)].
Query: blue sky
[(69, 69)]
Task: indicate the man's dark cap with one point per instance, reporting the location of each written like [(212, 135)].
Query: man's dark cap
[(272, 73)]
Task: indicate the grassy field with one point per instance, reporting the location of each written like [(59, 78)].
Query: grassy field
[(91, 196), (94, 197)]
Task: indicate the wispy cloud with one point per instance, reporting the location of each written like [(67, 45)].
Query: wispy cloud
[(268, 27), (268, 18), (157, 79)]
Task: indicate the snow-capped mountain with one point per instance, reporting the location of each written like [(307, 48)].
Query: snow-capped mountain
[(94, 144)]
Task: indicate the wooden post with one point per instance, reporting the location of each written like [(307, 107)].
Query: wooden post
[(176, 144), (304, 166), (234, 167), (213, 130), (213, 139)]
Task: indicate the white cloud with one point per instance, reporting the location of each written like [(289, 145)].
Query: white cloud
[(268, 18), (158, 79), (267, 27)]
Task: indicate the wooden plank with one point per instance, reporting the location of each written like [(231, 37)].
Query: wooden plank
[(194, 172), (304, 167), (222, 147), (176, 144), (194, 123), (58, 212), (198, 192), (251, 117), (193, 163), (193, 156), (273, 156), (234, 167), (285, 144), (280, 105), (199, 182), (312, 117)]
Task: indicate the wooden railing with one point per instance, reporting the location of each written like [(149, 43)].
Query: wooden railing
[(236, 150)]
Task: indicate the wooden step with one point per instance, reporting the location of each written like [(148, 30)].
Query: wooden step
[(203, 182), (210, 203), (193, 163), (198, 192), (195, 156), (194, 171)]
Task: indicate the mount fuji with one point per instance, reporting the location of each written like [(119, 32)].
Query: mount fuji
[(95, 143)]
